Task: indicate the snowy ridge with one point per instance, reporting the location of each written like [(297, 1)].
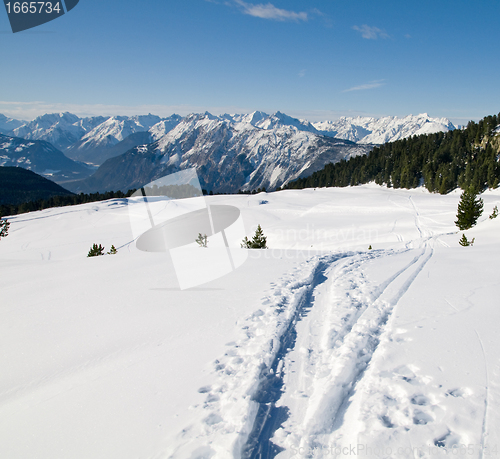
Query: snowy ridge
[(115, 129), (229, 154), (368, 130), (8, 124)]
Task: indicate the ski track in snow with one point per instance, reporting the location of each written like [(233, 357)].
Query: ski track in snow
[(250, 403), (484, 433), (246, 371), (355, 316)]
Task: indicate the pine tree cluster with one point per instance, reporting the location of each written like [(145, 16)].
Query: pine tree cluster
[(98, 250), (441, 162)]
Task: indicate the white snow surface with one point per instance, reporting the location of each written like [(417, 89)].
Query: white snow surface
[(394, 350)]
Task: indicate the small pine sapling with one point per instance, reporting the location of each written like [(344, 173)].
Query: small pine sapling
[(202, 240), (4, 228), (246, 243), (464, 242), (494, 213), (370, 247), (96, 251), (112, 250), (259, 241)]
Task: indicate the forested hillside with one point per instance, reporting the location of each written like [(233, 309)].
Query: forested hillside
[(441, 161), (60, 201), (18, 185)]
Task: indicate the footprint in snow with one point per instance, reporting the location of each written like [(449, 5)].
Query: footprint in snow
[(448, 440), (420, 399), (421, 418), (212, 419), (212, 398), (458, 392)]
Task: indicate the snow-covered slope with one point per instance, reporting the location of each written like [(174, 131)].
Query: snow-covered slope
[(389, 353), (7, 125), (245, 152), (368, 130), (115, 129), (164, 126)]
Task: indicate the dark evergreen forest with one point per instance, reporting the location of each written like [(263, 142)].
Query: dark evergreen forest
[(60, 201), (441, 162)]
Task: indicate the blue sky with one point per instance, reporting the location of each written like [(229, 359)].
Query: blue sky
[(308, 58)]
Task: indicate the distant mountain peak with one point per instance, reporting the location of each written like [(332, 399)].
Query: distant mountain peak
[(369, 130)]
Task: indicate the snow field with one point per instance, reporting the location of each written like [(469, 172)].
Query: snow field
[(315, 344)]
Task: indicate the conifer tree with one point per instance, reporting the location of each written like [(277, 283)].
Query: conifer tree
[(4, 228), (112, 250), (202, 240), (464, 242), (470, 209), (258, 241), (96, 250)]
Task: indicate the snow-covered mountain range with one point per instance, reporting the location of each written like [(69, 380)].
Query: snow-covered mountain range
[(79, 138), (90, 139), (244, 152), (95, 145), (237, 151), (60, 129), (366, 130)]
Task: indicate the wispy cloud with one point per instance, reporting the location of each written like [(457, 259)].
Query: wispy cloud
[(302, 73), (362, 87), (370, 33), (269, 11)]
